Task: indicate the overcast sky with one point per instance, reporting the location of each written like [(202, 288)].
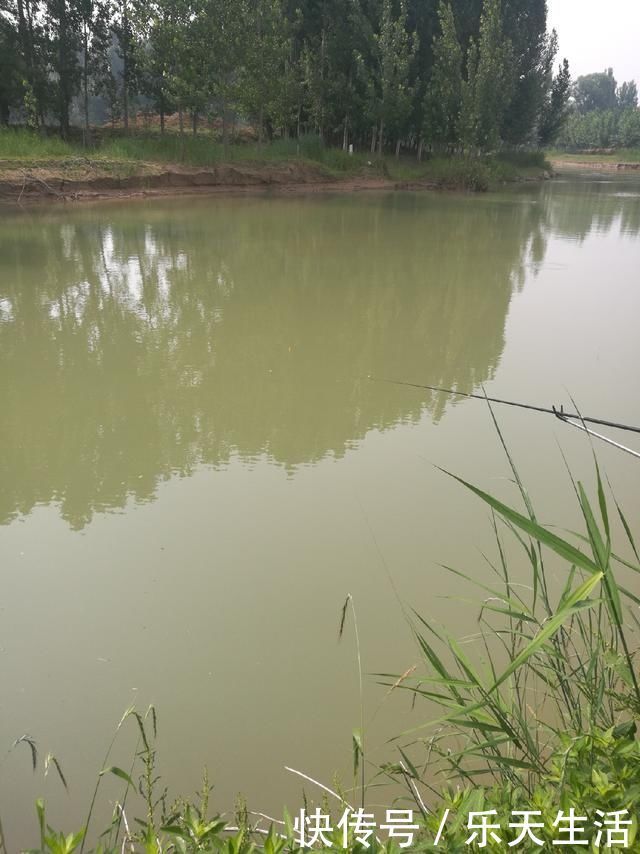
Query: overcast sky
[(595, 35)]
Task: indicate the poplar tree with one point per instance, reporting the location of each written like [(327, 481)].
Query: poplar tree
[(158, 58), (627, 96), (396, 50), (127, 15), (64, 45), (556, 107), (95, 40), (10, 64), (490, 83), (267, 48), (443, 99), (534, 52)]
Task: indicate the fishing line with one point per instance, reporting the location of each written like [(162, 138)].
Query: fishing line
[(559, 413)]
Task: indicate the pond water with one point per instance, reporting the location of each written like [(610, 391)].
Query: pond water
[(196, 466)]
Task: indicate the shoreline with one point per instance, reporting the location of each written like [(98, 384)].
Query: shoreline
[(86, 181), (559, 165)]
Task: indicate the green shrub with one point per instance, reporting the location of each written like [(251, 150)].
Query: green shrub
[(524, 159), (599, 771)]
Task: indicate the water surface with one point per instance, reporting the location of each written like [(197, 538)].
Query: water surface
[(196, 467)]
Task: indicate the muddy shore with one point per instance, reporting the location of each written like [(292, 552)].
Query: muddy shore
[(78, 180)]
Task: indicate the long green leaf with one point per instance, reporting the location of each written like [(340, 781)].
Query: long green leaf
[(566, 551)]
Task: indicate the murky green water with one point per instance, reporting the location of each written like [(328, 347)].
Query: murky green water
[(195, 468)]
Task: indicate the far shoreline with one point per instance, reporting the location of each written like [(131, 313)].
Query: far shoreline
[(48, 182)]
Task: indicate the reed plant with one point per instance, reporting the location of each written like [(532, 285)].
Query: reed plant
[(558, 669)]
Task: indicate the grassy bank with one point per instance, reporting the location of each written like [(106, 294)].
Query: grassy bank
[(534, 710), (140, 155)]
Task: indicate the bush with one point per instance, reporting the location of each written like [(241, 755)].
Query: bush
[(598, 771), (524, 159)]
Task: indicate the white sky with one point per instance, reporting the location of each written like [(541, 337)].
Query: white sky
[(595, 35)]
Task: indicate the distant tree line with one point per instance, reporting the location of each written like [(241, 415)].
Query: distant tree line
[(468, 75), (603, 114)]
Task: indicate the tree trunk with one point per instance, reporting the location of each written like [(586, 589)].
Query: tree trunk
[(260, 125), (225, 127), (380, 137), (374, 130), (181, 124), (125, 67), (345, 134), (85, 85), (420, 150), (63, 81), (161, 114), (125, 98), (25, 41), (398, 149)]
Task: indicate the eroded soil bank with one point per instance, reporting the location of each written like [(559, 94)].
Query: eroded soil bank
[(82, 178)]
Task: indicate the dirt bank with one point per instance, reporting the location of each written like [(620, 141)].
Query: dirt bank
[(82, 179), (595, 165)]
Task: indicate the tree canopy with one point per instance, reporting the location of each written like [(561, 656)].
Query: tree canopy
[(602, 114), (454, 75)]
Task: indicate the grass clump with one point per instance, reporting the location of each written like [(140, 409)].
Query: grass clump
[(477, 174), (26, 144), (524, 159)]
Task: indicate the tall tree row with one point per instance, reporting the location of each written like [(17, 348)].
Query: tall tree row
[(453, 75)]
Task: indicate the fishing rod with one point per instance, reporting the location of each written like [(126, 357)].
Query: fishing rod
[(559, 413), (600, 436), (569, 418)]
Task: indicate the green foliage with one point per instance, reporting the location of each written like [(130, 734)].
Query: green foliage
[(462, 173), (11, 77), (269, 47), (596, 92), (443, 100), (605, 115), (524, 159), (383, 75), (627, 96), (534, 53), (597, 771), (396, 51), (15, 142), (556, 106), (601, 129), (548, 709), (490, 82)]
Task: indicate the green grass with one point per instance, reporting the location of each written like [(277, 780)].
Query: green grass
[(24, 144), (470, 173)]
